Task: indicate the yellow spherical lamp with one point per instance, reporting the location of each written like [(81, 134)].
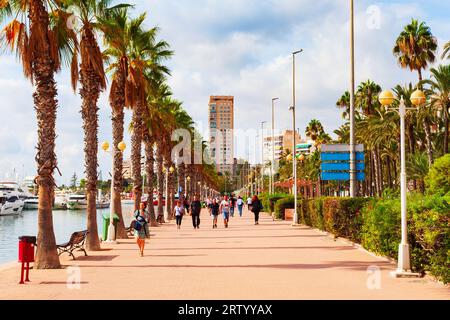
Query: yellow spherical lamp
[(188, 178), (172, 169), (121, 146), (301, 158), (289, 158), (418, 98), (105, 146), (386, 98)]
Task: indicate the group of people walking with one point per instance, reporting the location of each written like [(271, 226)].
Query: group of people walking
[(216, 206)]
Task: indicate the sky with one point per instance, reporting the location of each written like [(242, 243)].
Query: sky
[(230, 47)]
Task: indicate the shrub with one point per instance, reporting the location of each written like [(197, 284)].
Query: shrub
[(285, 203), (312, 213), (428, 231), (342, 216), (438, 179)]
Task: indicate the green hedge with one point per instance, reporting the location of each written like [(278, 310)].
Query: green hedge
[(268, 200), (376, 224)]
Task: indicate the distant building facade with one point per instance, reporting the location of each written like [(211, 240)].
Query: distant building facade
[(221, 137)]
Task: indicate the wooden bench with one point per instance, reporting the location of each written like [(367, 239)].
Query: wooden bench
[(77, 240)]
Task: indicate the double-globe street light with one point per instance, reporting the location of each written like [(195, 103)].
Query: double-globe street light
[(120, 148), (418, 98)]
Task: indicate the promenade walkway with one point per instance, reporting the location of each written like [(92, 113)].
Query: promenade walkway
[(270, 261)]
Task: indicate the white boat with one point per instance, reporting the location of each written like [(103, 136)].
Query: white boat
[(10, 204), (13, 188), (77, 202), (31, 203)]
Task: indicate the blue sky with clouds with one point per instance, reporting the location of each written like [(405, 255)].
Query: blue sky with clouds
[(240, 48)]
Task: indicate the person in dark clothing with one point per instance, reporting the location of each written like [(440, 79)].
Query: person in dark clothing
[(256, 208), (215, 212), (186, 205), (196, 207), (232, 205)]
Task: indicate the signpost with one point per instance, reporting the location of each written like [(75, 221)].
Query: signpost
[(335, 162)]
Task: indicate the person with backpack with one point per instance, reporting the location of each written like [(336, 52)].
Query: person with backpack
[(179, 212), (140, 231), (225, 209), (240, 205), (256, 208)]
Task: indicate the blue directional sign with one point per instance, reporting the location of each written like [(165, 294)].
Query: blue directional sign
[(335, 162)]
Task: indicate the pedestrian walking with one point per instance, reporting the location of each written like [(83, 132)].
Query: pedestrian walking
[(196, 208), (232, 205), (179, 212), (256, 208), (240, 205), (186, 205), (225, 209), (249, 203), (140, 231), (215, 211)]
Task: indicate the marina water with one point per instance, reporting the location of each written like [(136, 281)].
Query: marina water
[(65, 222)]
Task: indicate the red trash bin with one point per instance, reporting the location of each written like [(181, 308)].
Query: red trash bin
[(26, 254)]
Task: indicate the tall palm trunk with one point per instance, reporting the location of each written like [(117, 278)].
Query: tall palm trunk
[(446, 124), (136, 147), (89, 93), (160, 176), (426, 126), (150, 174), (117, 103), (45, 104)]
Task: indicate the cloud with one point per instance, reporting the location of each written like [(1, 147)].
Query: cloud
[(240, 48)]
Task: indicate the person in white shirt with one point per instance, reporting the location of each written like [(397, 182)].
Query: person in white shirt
[(179, 212), (240, 205), (225, 209), (249, 203)]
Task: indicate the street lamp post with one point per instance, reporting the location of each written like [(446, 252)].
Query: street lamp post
[(121, 148), (386, 98), (272, 167), (352, 104), (262, 155), (294, 142), (188, 179)]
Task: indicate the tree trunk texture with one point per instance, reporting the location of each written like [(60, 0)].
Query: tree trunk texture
[(160, 176), (45, 104), (426, 126), (117, 99), (446, 124), (150, 173), (136, 155), (89, 92)]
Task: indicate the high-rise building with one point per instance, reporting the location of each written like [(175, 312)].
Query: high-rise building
[(282, 141), (221, 126)]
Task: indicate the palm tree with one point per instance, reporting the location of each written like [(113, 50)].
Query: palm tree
[(344, 103), (314, 129), (92, 78), (439, 93), (118, 32), (417, 168), (41, 44), (446, 51), (415, 48)]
